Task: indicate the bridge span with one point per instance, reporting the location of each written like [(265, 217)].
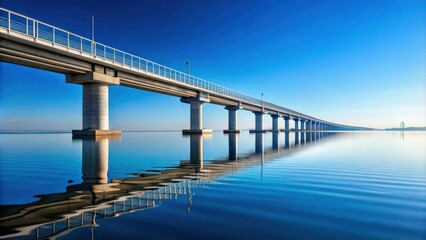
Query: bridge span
[(95, 66)]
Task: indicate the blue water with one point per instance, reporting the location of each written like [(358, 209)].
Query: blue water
[(347, 185)]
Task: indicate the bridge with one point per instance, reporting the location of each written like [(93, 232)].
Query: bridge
[(95, 66), (96, 197)]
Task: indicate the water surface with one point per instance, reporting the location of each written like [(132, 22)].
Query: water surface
[(324, 185)]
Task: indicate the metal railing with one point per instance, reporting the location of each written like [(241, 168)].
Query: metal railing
[(15, 22), (58, 37)]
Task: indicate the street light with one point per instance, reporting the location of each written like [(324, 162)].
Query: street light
[(93, 31), (262, 102), (188, 64)]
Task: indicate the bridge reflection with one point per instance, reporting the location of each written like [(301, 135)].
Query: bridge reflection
[(97, 197)]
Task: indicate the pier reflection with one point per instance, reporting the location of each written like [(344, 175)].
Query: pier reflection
[(233, 146), (196, 151), (98, 197)]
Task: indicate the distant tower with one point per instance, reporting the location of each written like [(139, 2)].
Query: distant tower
[(402, 125)]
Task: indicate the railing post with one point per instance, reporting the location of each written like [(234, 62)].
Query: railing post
[(26, 26), (34, 29), (114, 55), (68, 41), (81, 45), (53, 32)]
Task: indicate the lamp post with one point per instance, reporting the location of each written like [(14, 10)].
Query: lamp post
[(188, 65)]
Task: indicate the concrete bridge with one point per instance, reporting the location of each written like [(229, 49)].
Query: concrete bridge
[(95, 66), (96, 197)]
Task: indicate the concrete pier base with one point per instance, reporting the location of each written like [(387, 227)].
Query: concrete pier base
[(196, 115), (93, 133), (196, 131), (259, 123), (232, 119), (231, 131), (95, 104)]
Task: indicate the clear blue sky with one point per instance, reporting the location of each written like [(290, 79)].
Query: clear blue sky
[(358, 62)]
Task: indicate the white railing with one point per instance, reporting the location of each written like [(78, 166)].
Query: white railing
[(15, 22)]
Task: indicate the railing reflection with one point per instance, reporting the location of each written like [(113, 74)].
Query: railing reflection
[(97, 197)]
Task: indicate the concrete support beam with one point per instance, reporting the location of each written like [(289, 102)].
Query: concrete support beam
[(274, 123), (196, 115), (302, 125), (232, 119), (308, 125), (258, 123), (296, 124), (287, 124), (95, 105)]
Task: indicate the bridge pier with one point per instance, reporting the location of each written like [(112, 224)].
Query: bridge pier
[(196, 115), (287, 124), (232, 119), (308, 125), (274, 123), (296, 124), (95, 103), (302, 124), (259, 123)]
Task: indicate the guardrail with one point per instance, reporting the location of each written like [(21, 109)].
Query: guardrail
[(28, 26), (19, 23)]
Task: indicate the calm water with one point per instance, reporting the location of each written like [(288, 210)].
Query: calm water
[(351, 185)]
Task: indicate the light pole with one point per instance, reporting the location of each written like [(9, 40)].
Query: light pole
[(262, 102), (188, 64), (93, 31)]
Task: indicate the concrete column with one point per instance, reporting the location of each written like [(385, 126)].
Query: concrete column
[(95, 103), (302, 125), (314, 126), (259, 122), (274, 123), (196, 115), (296, 124), (308, 125), (95, 106), (287, 123), (232, 119)]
